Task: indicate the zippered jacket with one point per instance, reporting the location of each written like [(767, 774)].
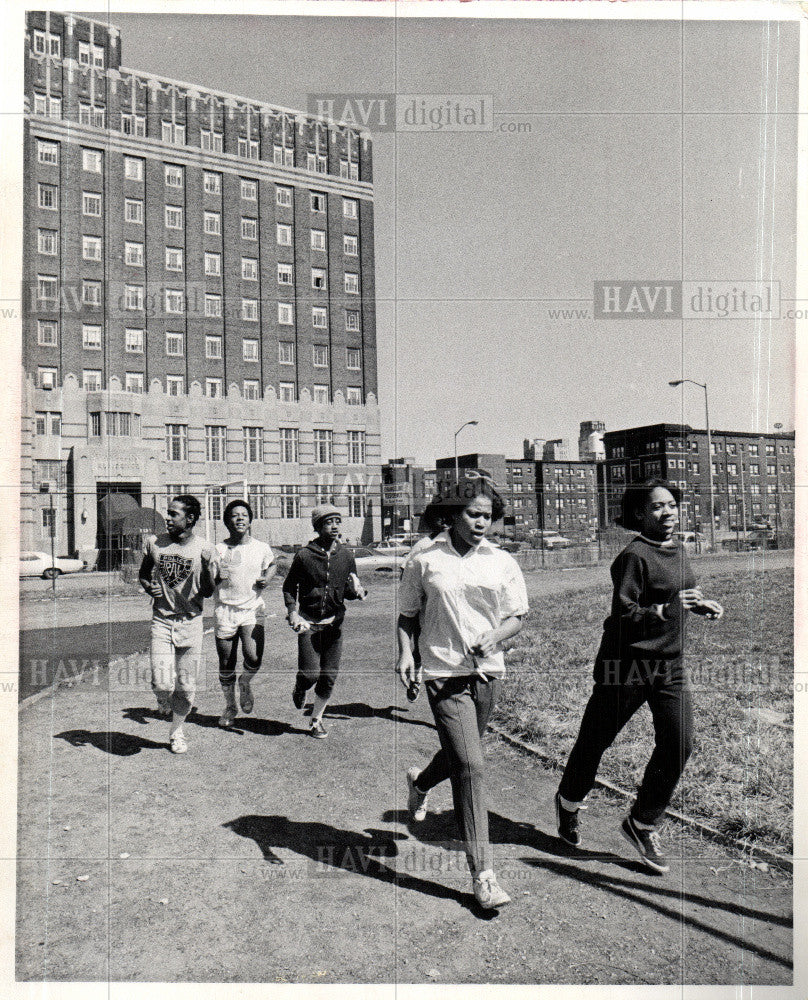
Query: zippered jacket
[(318, 582)]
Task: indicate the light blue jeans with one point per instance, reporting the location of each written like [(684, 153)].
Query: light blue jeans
[(176, 656)]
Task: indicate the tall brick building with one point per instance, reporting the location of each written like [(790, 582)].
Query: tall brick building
[(199, 303)]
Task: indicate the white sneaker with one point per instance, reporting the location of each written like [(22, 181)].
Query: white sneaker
[(416, 800), (228, 717), (178, 744), (488, 892)]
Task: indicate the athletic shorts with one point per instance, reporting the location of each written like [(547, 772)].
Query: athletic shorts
[(229, 619)]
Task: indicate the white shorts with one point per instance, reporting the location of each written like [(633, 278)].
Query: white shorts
[(229, 619)]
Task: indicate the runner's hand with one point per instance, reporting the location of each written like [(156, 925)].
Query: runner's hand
[(406, 668), (484, 645), (154, 589), (710, 609), (690, 598)]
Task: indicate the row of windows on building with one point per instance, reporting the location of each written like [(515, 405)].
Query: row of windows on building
[(46, 43), (618, 472), (716, 448), (282, 500), (210, 140)]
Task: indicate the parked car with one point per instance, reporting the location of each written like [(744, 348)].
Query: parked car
[(379, 562), (553, 540), (390, 547), (41, 564)]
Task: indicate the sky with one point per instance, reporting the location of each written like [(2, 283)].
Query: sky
[(645, 155)]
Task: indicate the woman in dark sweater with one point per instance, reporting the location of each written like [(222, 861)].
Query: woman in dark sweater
[(640, 660)]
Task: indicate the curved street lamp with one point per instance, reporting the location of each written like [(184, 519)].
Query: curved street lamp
[(702, 385), (468, 423)]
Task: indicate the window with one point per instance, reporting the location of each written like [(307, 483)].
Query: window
[(46, 377), (90, 115), (286, 314), (349, 208), (213, 388), (173, 217), (212, 142), (177, 442), (249, 269), (215, 443), (289, 439), (213, 305), (133, 168), (91, 337), (213, 347), (213, 264), (317, 202), (354, 360), (317, 163), (785, 449), (318, 239), (253, 444), (249, 349), (283, 234), (133, 210), (753, 449), (249, 229), (290, 502), (175, 385), (45, 44), (91, 247), (357, 503), (285, 274), (91, 380), (133, 254), (319, 318), (92, 160), (352, 320), (91, 56), (769, 449), (286, 391), (250, 388), (49, 106), (286, 352), (283, 196), (213, 223), (283, 156), (248, 148), (175, 344), (173, 175), (133, 382), (175, 301), (320, 353), (349, 170), (323, 446), (318, 278), (715, 447), (48, 242), (353, 396), (350, 245), (356, 447), (732, 449), (47, 152), (91, 204), (771, 469), (91, 292), (133, 297), (133, 341), (351, 283), (249, 310), (249, 190), (133, 125), (694, 467), (754, 489), (716, 468), (174, 259), (212, 182), (47, 424), (47, 333), (322, 394)]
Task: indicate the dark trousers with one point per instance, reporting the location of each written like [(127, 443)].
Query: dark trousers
[(461, 707), (666, 688), (318, 656)]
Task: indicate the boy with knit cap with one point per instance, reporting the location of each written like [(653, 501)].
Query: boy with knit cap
[(322, 576)]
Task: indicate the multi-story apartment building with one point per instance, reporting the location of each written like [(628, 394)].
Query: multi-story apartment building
[(404, 495), (199, 303), (753, 474)]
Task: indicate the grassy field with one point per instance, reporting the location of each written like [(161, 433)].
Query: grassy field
[(739, 778)]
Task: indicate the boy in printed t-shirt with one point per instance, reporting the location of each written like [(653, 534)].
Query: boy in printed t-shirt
[(246, 565)]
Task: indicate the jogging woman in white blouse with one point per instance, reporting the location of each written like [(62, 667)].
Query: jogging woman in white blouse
[(471, 597)]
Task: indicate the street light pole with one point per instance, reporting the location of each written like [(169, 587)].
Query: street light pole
[(702, 385), (468, 423)]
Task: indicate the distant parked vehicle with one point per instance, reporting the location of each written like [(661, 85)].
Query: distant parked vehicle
[(41, 564), (553, 540), (390, 547), (379, 561)]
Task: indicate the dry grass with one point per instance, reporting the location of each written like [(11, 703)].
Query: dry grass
[(739, 778)]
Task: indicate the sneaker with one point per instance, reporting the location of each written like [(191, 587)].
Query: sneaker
[(567, 823), (416, 800), (178, 744), (228, 717), (317, 730), (298, 695), (245, 695), (488, 892), (646, 843)]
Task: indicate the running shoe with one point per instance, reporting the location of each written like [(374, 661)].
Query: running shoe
[(178, 744), (245, 695), (567, 823), (416, 800), (228, 717), (646, 843), (488, 892), (317, 730)]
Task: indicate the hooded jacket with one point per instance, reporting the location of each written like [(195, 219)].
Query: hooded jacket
[(318, 581)]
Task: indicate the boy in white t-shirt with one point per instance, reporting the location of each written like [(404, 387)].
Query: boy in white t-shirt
[(245, 568)]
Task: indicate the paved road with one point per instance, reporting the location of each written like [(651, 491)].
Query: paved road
[(265, 856)]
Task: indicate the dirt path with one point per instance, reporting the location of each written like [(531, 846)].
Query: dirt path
[(265, 856)]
